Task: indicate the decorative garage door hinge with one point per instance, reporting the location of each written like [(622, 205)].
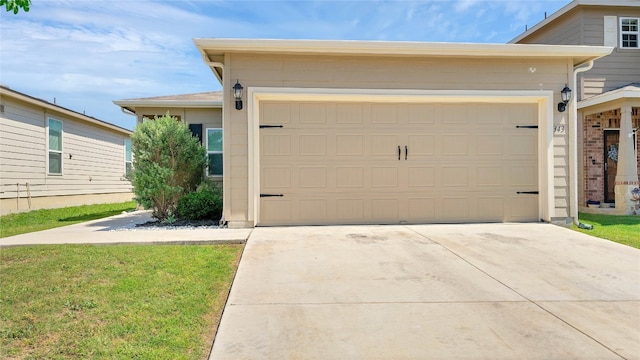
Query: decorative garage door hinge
[(271, 195), (270, 126), (526, 126), (528, 192)]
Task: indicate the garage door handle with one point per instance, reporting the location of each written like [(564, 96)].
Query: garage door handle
[(399, 152), (271, 195), (406, 152)]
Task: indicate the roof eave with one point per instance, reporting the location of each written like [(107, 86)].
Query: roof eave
[(609, 97), (60, 109), (167, 103), (565, 9), (580, 54)]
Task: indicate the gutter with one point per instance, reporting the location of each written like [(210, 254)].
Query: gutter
[(128, 111), (573, 150)]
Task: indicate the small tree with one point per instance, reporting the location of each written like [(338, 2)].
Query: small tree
[(167, 163)]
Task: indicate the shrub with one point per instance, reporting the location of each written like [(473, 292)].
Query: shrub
[(200, 205), (167, 163)]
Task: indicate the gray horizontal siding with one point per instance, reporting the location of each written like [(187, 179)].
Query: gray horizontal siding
[(611, 72), (563, 31), (95, 167)]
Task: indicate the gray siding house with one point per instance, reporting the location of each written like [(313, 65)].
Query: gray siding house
[(608, 94), (52, 157)]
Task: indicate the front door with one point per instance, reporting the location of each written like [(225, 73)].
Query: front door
[(611, 141)]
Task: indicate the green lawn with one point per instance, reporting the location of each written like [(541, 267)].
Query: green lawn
[(37, 220), (621, 229), (113, 302)]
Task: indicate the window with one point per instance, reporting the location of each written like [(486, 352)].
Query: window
[(214, 152), (629, 33), (128, 165), (55, 147)]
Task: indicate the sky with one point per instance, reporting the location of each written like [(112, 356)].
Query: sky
[(87, 53)]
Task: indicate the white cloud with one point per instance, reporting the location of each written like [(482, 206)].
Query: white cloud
[(87, 53)]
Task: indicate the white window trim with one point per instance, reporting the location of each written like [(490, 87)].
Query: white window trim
[(622, 33), (55, 151), (206, 138), (125, 156)]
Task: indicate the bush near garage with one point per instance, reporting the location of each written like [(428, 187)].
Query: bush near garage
[(168, 162), (201, 205)]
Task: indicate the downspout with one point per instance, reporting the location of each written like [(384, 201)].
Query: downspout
[(573, 150), (213, 65)]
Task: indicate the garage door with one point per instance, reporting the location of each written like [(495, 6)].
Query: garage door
[(390, 163)]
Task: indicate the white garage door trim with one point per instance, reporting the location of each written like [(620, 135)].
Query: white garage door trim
[(544, 100)]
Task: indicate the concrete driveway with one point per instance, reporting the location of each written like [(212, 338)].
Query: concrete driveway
[(486, 291)]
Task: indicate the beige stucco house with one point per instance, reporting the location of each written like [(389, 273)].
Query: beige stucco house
[(366, 132), (51, 156), (201, 111), (608, 94)]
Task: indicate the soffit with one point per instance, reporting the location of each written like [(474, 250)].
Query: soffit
[(211, 48)]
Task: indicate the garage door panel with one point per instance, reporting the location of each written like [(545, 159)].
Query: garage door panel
[(490, 176), (349, 209), (421, 113), (276, 211), (455, 176), (421, 177), (349, 114), (277, 177), (350, 177), (523, 208), (313, 210), (489, 114), (523, 177), (276, 145), (345, 168), (456, 114), (522, 115), (384, 114), (489, 144), (455, 209), (384, 145), (312, 145), (312, 113), (384, 210), (275, 113), (349, 145), (454, 144), (491, 208), (421, 145), (421, 209), (525, 144), (384, 177), (313, 177)]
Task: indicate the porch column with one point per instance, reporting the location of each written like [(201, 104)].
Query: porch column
[(627, 175)]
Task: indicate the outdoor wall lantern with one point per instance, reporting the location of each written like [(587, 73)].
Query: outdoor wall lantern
[(566, 96), (237, 94)]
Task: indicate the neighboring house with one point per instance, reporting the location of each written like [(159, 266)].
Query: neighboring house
[(608, 94), (202, 112), (365, 132), (51, 156)]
